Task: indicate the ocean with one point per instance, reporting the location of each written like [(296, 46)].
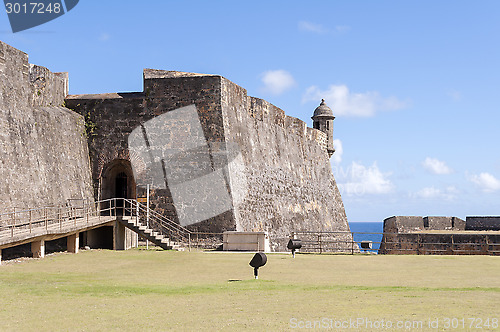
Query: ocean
[(367, 227)]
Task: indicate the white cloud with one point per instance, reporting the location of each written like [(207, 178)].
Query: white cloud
[(436, 166), (337, 156), (104, 37), (345, 103), (485, 181), (449, 193), (361, 180), (311, 27), (277, 81), (454, 95), (319, 29)]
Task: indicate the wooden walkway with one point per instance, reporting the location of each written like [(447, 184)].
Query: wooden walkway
[(49, 229)]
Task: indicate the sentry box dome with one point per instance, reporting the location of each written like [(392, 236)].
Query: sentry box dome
[(258, 260), (293, 245)]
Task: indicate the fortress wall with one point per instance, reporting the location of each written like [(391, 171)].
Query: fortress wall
[(445, 243), (289, 181), (43, 150), (438, 223), (278, 177), (115, 116), (109, 119), (436, 236), (482, 223)]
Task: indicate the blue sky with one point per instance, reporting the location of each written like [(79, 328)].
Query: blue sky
[(415, 85)]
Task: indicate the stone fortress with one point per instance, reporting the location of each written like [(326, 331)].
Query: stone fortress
[(439, 235), (215, 158)]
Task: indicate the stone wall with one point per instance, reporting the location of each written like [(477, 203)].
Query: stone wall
[(409, 224), (440, 235), (289, 181), (482, 223), (43, 150), (442, 243), (113, 117), (271, 173)]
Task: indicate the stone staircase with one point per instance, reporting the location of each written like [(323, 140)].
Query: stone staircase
[(149, 234)]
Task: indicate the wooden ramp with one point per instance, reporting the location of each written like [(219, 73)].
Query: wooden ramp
[(36, 226)]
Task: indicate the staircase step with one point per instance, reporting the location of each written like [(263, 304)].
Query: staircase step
[(152, 235)]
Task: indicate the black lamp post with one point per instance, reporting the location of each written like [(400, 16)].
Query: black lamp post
[(258, 260)]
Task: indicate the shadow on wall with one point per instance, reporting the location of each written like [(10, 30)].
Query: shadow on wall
[(171, 152)]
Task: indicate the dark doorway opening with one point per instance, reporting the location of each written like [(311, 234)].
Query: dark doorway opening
[(117, 181), (121, 191)]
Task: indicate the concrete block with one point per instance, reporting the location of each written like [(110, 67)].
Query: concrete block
[(38, 249), (246, 241)]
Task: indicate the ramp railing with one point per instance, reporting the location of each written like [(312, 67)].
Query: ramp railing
[(76, 212), (171, 229)]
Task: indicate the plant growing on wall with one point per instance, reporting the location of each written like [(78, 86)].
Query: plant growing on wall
[(90, 127)]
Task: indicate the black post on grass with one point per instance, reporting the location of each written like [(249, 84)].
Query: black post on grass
[(258, 260)]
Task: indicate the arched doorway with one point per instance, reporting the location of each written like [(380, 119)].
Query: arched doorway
[(117, 181)]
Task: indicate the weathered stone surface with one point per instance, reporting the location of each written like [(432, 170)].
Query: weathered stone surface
[(290, 182), (277, 175), (438, 223), (482, 223), (43, 150), (403, 224), (440, 236)]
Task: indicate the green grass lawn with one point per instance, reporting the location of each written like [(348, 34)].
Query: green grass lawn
[(140, 290)]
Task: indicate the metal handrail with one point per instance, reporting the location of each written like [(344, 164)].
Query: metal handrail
[(32, 219), (168, 228), (27, 221)]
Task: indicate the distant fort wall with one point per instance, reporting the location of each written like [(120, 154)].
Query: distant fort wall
[(43, 149), (441, 235)]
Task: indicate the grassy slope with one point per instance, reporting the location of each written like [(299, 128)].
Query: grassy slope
[(145, 290)]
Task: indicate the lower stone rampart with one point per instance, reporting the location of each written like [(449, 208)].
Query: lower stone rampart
[(411, 235)]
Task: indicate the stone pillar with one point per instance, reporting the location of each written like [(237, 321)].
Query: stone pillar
[(38, 249), (73, 242), (119, 236)]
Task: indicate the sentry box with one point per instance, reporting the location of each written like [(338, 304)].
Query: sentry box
[(294, 244), (258, 260)]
